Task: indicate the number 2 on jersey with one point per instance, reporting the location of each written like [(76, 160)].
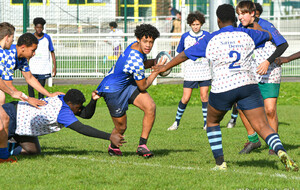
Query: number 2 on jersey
[(238, 57)]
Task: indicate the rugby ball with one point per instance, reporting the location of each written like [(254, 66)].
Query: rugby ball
[(165, 55)]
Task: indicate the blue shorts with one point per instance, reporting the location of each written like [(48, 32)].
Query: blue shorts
[(247, 98), (117, 102), (196, 84), (10, 109), (42, 76)]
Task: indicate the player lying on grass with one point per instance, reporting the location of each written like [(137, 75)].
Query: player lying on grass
[(17, 59), (126, 83), (230, 51), (25, 123)]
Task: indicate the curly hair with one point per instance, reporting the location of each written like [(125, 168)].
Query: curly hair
[(74, 96), (27, 39), (245, 7), (195, 16), (226, 13), (39, 20), (113, 24), (6, 29), (146, 30)]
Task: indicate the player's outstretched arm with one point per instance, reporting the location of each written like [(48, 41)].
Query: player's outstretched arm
[(281, 60), (88, 111), (32, 81), (256, 26), (87, 130), (181, 57)]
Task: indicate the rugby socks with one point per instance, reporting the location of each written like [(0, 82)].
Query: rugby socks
[(4, 154), (253, 138), (180, 111), (214, 136), (204, 111), (143, 141), (16, 151), (274, 142), (234, 113)]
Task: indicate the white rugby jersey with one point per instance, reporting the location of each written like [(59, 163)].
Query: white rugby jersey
[(40, 63), (198, 70), (229, 50), (263, 53)]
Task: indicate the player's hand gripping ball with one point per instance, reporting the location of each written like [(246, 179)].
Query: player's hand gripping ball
[(164, 55)]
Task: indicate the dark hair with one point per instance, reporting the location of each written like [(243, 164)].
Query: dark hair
[(27, 39), (113, 24), (259, 8), (74, 96), (6, 29), (226, 13), (195, 16), (146, 30), (245, 7), (39, 20)]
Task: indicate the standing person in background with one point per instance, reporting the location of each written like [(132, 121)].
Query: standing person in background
[(40, 64), (176, 28), (115, 41), (234, 114), (196, 73)]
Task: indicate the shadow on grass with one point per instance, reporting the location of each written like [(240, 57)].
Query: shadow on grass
[(283, 123), (67, 151), (160, 152), (257, 163)]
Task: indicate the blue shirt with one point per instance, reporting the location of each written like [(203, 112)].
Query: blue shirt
[(278, 39), (13, 63), (66, 116), (128, 68)]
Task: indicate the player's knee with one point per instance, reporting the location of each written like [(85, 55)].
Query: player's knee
[(151, 109), (271, 112), (5, 122)]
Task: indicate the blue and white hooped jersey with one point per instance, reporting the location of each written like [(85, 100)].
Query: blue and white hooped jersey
[(40, 63), (128, 68), (229, 50), (198, 70), (13, 63), (263, 53)]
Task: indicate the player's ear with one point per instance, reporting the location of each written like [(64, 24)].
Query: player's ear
[(138, 40), (252, 14)]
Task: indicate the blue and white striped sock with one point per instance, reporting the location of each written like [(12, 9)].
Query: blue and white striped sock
[(180, 111), (273, 141), (204, 111), (215, 140)]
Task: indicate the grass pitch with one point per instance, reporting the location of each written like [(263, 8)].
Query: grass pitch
[(182, 160)]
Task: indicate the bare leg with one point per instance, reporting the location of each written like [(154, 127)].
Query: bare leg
[(204, 93), (246, 123), (271, 111), (2, 97), (147, 105), (30, 145), (187, 92)]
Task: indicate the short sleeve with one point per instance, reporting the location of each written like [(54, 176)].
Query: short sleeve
[(180, 47), (135, 66), (66, 117), (196, 51), (51, 48)]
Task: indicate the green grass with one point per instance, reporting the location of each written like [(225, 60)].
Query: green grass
[(183, 158)]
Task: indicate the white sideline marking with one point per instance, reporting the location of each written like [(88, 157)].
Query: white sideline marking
[(277, 175)]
